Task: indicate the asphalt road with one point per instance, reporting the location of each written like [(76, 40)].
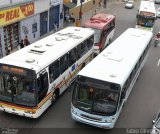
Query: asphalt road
[(138, 112)]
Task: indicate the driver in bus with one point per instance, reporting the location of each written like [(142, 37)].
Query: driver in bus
[(112, 97)]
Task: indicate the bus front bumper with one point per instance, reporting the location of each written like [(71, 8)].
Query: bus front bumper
[(104, 125), (18, 112)]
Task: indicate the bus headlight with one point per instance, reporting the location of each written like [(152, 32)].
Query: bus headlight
[(109, 120), (72, 110), (28, 112)]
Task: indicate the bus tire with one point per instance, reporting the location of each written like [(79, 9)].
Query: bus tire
[(55, 96)]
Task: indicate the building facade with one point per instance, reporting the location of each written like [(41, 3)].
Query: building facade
[(20, 18)]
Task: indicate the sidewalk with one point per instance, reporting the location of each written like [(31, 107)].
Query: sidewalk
[(89, 14), (94, 11)]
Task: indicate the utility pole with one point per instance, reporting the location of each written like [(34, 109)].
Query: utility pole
[(80, 12), (105, 3), (93, 7)]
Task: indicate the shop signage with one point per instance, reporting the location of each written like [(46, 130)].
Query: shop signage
[(16, 13)]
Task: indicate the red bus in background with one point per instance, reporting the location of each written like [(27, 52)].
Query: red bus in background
[(104, 27)]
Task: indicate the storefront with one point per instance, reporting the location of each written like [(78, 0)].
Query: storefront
[(30, 27), (11, 37), (27, 19), (54, 17), (43, 23), (1, 42), (67, 5), (10, 26), (55, 14)]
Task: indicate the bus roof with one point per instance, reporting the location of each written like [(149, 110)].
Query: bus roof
[(115, 63), (99, 21), (43, 52), (147, 6)]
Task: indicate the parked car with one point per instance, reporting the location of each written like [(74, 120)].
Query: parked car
[(129, 4), (157, 1), (158, 12), (156, 125)]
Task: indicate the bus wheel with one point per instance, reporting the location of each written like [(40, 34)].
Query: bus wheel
[(55, 96)]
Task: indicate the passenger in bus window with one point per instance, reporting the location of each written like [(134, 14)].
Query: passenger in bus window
[(26, 41), (29, 87)]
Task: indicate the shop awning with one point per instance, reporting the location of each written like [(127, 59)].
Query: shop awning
[(69, 5)]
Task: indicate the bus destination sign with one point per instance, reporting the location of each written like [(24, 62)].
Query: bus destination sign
[(147, 13), (9, 69)]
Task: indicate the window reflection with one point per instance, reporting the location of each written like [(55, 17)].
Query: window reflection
[(17, 89)]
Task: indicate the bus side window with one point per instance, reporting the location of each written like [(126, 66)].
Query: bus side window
[(84, 47), (79, 51), (43, 86), (54, 71), (90, 42), (63, 63), (72, 56)]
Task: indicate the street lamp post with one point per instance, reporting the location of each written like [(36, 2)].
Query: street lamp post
[(93, 7), (80, 12)]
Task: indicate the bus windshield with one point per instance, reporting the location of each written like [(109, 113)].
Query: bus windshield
[(97, 35), (158, 124), (17, 89), (96, 98), (146, 21)]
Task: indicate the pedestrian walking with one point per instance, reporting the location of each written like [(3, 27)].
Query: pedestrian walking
[(21, 44), (26, 41), (72, 18), (67, 17), (8, 52)]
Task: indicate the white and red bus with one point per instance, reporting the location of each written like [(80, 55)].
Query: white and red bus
[(32, 78), (104, 27)]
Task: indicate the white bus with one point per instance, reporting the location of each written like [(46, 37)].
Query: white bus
[(103, 86), (32, 78), (146, 15)]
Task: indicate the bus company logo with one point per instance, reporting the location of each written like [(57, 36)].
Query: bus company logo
[(138, 131), (9, 131)]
